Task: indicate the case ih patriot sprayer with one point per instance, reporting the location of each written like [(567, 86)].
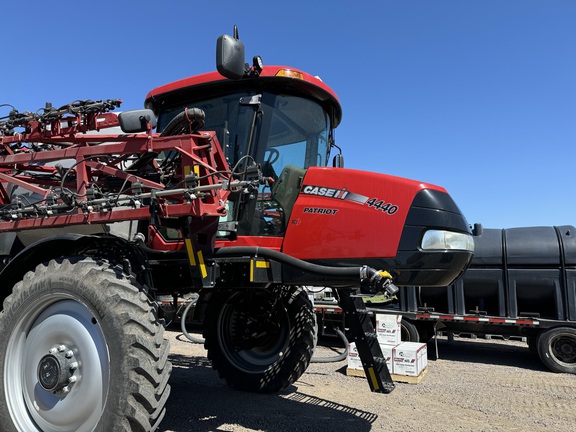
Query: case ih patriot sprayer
[(229, 198)]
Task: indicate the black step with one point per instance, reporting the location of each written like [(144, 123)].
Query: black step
[(363, 334)]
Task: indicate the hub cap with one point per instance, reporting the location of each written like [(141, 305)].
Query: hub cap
[(57, 368), (564, 348), (49, 372)]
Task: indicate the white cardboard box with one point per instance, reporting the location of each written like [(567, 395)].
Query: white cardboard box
[(355, 363), (388, 329), (410, 358), (387, 353)]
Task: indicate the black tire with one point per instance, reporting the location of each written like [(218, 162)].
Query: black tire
[(532, 341), (557, 349), (93, 327), (260, 340), (408, 331)]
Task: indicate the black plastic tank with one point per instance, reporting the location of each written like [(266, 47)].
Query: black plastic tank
[(515, 272)]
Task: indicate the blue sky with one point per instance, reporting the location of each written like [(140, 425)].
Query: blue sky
[(476, 96)]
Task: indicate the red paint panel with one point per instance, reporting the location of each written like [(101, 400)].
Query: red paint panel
[(215, 77), (274, 243), (345, 213)]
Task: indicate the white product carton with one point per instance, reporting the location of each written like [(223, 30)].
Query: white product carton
[(388, 329), (387, 352), (355, 363), (410, 358)]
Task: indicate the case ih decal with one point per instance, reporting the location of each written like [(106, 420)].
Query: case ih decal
[(342, 194), (345, 194)]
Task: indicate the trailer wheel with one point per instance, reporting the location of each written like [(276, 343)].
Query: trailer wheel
[(532, 341), (81, 350), (557, 349), (408, 331), (260, 340)]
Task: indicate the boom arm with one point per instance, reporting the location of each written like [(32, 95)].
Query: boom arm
[(111, 176)]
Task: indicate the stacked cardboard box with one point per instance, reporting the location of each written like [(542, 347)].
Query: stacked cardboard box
[(388, 329), (409, 358), (404, 359)]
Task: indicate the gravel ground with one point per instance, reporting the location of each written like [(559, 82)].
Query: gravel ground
[(474, 385)]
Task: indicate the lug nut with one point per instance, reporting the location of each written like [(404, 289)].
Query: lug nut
[(69, 354), (62, 348), (74, 366)]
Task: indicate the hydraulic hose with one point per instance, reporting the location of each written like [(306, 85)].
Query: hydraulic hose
[(187, 121), (338, 357), (183, 324), (372, 280), (343, 272)]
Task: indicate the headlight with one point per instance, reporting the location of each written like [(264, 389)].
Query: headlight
[(441, 240)]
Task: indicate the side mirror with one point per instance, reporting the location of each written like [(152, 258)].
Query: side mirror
[(338, 161), (477, 230), (230, 59), (137, 120)]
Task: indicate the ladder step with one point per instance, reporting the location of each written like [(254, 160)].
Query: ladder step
[(379, 361), (370, 336), (362, 332)]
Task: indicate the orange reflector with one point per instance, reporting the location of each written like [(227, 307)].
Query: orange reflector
[(290, 74)]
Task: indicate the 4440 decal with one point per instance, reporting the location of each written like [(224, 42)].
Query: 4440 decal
[(345, 195), (381, 205)]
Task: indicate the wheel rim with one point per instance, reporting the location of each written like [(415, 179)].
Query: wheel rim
[(62, 336), (563, 348), (254, 331)]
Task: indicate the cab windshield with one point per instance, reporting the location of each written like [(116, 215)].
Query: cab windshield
[(272, 128), (280, 132)]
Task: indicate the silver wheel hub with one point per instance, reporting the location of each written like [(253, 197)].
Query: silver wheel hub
[(56, 370)]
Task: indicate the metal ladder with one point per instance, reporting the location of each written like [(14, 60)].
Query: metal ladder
[(362, 332)]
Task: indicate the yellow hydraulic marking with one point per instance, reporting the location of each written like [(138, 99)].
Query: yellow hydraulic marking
[(197, 170), (190, 252), (372, 374), (262, 264), (186, 170), (202, 265)]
